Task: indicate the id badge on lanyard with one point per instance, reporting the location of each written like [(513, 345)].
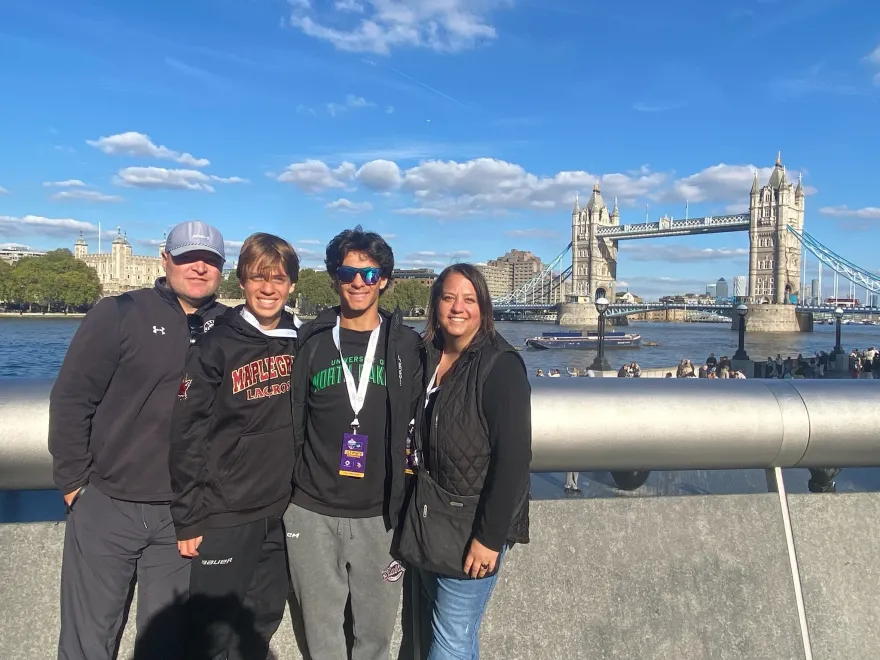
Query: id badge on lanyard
[(353, 461)]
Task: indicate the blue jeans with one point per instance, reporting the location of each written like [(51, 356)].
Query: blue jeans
[(457, 611)]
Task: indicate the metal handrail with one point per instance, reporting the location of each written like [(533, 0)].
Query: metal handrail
[(601, 424)]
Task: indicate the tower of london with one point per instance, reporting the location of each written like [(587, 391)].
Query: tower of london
[(121, 270)]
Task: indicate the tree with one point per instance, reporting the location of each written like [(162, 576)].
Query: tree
[(409, 295), (230, 288), (6, 283), (78, 287), (55, 280), (316, 290)]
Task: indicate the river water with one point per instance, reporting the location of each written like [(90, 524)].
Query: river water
[(35, 347)]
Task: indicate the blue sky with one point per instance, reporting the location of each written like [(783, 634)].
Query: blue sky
[(458, 128)]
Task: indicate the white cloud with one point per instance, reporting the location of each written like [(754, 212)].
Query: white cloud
[(233, 245), (381, 175), (389, 110), (13, 246), (86, 195), (721, 183), (428, 254), (351, 102), (490, 186), (132, 143), (874, 59), (677, 253), (3, 191), (532, 233), (305, 254), (309, 241), (314, 175), (349, 5), (35, 224), (155, 178), (478, 186), (69, 183), (380, 26), (149, 242), (843, 211), (343, 204)]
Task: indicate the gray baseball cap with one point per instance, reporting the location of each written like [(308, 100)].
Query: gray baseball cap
[(195, 235)]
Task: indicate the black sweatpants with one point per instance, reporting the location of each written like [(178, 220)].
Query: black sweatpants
[(107, 543), (238, 590)]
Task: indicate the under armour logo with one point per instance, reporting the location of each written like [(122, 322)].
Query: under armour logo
[(158, 331)]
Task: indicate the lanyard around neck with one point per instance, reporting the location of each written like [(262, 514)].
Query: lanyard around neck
[(358, 394), (432, 386)]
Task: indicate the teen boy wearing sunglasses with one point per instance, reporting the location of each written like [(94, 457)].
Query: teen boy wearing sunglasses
[(358, 377)]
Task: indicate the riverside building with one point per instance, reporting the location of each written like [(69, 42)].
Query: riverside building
[(14, 253), (121, 270)]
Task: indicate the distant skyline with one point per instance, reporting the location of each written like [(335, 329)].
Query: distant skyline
[(457, 129)]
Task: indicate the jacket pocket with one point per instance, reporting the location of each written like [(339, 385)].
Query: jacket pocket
[(260, 470)]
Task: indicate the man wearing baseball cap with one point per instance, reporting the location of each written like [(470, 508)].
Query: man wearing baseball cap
[(109, 422)]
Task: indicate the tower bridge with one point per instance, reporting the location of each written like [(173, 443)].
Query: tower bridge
[(774, 221), (774, 252)]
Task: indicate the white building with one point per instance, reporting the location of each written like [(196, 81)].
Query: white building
[(13, 253), (121, 270), (740, 286)]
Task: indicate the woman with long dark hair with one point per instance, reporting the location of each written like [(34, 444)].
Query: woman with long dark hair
[(474, 449)]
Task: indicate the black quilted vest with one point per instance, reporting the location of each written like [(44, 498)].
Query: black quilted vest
[(458, 448)]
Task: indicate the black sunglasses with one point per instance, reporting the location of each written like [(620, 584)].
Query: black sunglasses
[(196, 325), (370, 275)]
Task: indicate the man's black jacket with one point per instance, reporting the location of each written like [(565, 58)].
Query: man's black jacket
[(404, 384), (110, 408)]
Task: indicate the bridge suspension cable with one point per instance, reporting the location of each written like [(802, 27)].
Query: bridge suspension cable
[(540, 288), (847, 269)]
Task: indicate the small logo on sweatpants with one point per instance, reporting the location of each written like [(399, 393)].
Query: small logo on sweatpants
[(216, 562), (394, 572)]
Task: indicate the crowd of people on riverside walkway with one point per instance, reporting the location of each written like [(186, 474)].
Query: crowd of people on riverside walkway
[(864, 364), (230, 459)]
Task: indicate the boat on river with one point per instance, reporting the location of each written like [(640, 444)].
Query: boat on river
[(579, 340)]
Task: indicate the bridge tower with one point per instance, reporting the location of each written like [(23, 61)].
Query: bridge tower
[(593, 259), (774, 252)]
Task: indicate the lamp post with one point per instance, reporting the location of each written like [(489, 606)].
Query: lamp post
[(741, 354), (600, 363), (838, 314)]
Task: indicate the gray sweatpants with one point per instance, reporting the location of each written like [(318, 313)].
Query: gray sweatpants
[(107, 543), (331, 558)]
